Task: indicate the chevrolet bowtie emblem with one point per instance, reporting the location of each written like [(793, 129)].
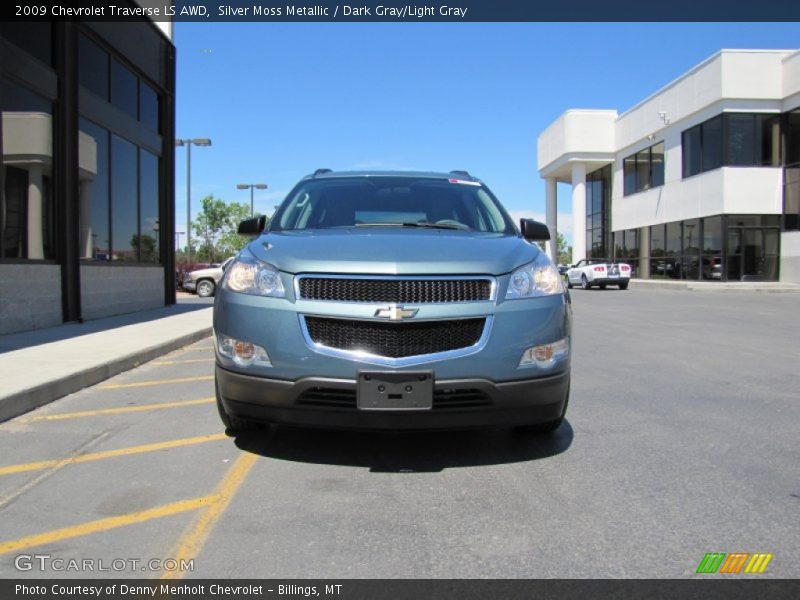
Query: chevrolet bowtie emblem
[(394, 312)]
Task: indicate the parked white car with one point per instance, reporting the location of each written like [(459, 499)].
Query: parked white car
[(204, 282), (599, 272)]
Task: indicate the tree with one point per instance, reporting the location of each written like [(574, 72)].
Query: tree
[(215, 229), (563, 252)]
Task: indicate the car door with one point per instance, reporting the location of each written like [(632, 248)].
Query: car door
[(574, 274)]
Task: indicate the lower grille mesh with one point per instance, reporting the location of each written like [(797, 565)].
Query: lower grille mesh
[(395, 340), (443, 399)]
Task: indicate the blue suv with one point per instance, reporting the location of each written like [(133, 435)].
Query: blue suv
[(392, 300)]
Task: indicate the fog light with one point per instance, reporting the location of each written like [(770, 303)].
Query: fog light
[(545, 355), (242, 353)]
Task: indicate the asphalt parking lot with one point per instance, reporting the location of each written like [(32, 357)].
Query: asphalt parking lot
[(681, 439)]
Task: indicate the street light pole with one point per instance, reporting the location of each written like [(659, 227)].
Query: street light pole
[(189, 143), (252, 186)]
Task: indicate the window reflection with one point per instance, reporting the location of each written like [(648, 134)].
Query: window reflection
[(124, 188), (93, 67), (148, 106), (124, 89), (148, 207), (93, 177), (26, 218)]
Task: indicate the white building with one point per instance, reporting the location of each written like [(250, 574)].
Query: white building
[(699, 181)]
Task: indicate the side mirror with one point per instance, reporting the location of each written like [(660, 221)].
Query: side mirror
[(534, 231), (253, 226)]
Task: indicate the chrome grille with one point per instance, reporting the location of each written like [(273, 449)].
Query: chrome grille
[(395, 340), (398, 291)]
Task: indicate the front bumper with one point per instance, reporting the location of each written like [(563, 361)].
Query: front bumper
[(190, 286), (458, 403)]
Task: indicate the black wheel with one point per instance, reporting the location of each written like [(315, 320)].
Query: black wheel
[(235, 425), (205, 288), (585, 282), (569, 285), (623, 286), (602, 286)]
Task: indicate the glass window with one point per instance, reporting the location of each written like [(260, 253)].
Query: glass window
[(712, 235), (26, 207), (597, 196), (632, 243), (768, 140), (791, 198), (93, 67), (148, 106), (93, 175), (657, 164), (124, 89), (390, 201), (148, 207), (657, 240), (629, 170), (692, 157), (691, 236), (124, 193), (741, 140), (643, 170), (673, 239), (34, 37), (793, 138), (712, 144)]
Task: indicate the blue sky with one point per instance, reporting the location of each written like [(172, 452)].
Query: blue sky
[(279, 100)]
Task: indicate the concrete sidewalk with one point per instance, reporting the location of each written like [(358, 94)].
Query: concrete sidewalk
[(715, 286), (40, 366)]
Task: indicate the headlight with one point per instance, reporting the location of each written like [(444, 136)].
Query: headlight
[(539, 278), (248, 275)]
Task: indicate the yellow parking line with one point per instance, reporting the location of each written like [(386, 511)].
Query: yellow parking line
[(163, 363), (117, 386), (82, 529), (114, 411), (194, 537), (83, 458)]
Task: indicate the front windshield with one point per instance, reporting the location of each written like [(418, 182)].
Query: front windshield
[(391, 202)]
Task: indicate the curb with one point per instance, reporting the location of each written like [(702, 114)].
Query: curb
[(25, 401)]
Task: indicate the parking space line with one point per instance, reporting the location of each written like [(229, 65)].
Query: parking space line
[(196, 534), (115, 411), (83, 458), (105, 524), (118, 386), (163, 363)]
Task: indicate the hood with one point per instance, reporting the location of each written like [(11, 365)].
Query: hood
[(393, 251), (206, 271)]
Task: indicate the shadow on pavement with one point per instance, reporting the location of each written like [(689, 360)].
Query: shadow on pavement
[(406, 452), (28, 339)]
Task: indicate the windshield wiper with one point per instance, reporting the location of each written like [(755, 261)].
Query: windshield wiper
[(447, 225)]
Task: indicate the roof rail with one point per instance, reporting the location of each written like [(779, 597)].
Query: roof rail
[(322, 172), (464, 174)]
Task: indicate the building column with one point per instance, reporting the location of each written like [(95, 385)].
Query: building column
[(35, 224), (551, 217), (644, 253), (578, 212)]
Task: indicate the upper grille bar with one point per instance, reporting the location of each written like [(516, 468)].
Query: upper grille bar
[(397, 290)]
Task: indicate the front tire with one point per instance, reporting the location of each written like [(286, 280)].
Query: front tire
[(585, 283), (205, 288)]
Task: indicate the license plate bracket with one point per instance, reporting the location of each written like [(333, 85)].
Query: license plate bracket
[(393, 390)]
